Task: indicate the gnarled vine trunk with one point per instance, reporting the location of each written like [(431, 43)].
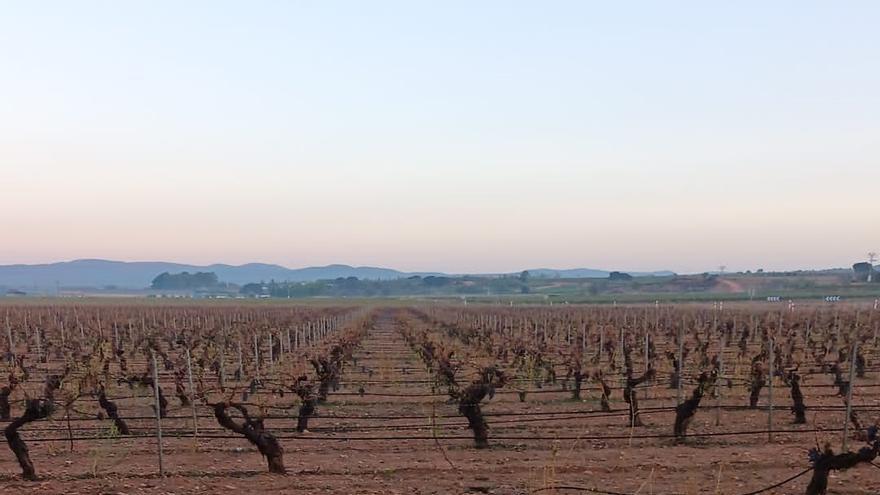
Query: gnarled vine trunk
[(798, 407), (578, 383), (5, 409), (685, 411), (630, 396), (112, 412), (469, 403), (606, 392), (306, 411), (35, 409), (827, 461), (469, 407), (252, 429), (757, 383)]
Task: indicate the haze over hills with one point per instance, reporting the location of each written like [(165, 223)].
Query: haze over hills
[(139, 274)]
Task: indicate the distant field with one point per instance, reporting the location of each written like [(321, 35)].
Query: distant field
[(519, 290)]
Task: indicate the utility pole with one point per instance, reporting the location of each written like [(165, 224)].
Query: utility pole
[(872, 258)]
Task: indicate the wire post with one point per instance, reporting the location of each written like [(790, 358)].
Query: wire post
[(158, 411), (256, 357), (192, 393), (39, 345), (69, 430), (678, 391), (770, 394), (647, 361), (9, 336), (720, 374), (271, 351), (849, 393), (223, 366), (240, 363)]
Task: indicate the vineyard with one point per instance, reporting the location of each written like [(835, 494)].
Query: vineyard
[(734, 398)]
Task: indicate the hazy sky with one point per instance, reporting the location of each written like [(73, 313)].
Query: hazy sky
[(447, 135)]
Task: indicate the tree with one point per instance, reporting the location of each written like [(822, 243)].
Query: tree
[(863, 271), (184, 281), (524, 280), (251, 288)]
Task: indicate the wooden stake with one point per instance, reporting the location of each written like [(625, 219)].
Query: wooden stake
[(770, 394), (849, 394), (158, 413), (271, 351), (647, 363), (192, 392), (69, 431), (240, 362), (718, 387), (9, 335), (223, 366), (679, 392), (256, 357)]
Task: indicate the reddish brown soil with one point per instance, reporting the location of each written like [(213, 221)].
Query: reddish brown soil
[(317, 463)]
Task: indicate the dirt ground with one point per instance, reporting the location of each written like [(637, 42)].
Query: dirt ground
[(348, 450)]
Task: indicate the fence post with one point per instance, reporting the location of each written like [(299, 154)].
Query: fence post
[(271, 351), (39, 345), (223, 366), (240, 361), (158, 411), (256, 357), (69, 431), (9, 332), (647, 360), (192, 393), (849, 393), (718, 387), (770, 394), (680, 363), (9, 335)]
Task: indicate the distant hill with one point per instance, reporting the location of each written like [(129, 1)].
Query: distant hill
[(139, 274)]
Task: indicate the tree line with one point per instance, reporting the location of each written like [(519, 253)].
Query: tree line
[(185, 281)]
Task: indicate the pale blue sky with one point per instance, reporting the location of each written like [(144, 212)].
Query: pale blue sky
[(459, 136)]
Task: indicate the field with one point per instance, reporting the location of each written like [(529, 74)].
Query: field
[(439, 398)]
